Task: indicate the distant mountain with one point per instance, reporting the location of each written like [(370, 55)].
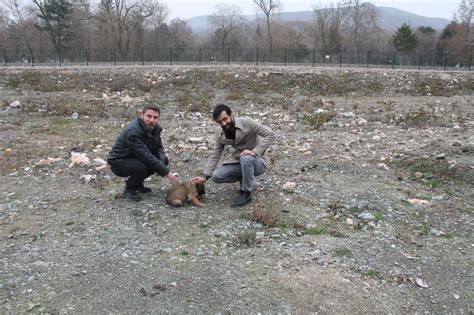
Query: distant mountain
[(388, 18)]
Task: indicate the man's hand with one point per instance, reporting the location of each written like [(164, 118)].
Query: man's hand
[(174, 180), (199, 180), (247, 152)]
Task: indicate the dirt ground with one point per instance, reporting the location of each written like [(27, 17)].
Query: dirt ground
[(367, 206)]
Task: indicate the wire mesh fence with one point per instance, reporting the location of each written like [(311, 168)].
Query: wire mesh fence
[(256, 56)]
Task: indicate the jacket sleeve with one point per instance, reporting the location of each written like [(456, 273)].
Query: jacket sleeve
[(141, 151), (160, 154), (215, 157), (267, 137)]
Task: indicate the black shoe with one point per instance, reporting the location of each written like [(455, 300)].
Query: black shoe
[(144, 190), (244, 198), (132, 195)]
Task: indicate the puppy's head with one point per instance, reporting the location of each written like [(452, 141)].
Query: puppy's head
[(200, 190)]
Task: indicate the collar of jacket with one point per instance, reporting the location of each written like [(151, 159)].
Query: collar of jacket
[(149, 133)]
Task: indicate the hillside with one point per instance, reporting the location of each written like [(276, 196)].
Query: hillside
[(389, 19)]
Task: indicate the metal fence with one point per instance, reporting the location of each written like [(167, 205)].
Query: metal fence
[(256, 56)]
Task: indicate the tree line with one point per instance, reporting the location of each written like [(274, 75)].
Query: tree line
[(349, 26)]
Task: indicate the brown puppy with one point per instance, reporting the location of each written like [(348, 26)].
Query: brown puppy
[(188, 190)]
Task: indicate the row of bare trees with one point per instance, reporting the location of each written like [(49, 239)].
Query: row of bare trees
[(66, 26)]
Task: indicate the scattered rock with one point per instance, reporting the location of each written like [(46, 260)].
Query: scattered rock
[(15, 104), (366, 216), (79, 159)]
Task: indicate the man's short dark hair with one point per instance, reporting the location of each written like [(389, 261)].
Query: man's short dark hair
[(152, 107), (219, 109)]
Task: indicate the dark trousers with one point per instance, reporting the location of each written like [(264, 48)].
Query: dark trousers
[(136, 169)]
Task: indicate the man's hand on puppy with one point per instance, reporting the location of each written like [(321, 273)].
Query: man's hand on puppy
[(174, 180), (199, 179)]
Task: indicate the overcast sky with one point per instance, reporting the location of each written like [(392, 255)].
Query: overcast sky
[(431, 8)]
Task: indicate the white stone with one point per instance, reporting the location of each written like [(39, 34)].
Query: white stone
[(15, 104), (79, 159)]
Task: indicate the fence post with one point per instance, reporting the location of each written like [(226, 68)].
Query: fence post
[(286, 57), (142, 55), (470, 62), (419, 61), (393, 60), (171, 55), (314, 56), (368, 57), (32, 58), (87, 56), (340, 58), (199, 55), (5, 56), (228, 56), (445, 61), (113, 56), (257, 55)]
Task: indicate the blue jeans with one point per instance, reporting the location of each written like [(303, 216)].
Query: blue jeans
[(244, 170)]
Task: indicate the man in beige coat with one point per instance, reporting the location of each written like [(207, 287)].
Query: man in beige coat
[(250, 139)]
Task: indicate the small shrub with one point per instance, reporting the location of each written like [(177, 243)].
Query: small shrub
[(13, 82), (246, 238), (266, 212), (317, 120), (419, 117)]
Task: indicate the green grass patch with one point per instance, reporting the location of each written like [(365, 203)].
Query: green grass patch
[(343, 252), (372, 273), (317, 230), (423, 229), (467, 210), (61, 126)]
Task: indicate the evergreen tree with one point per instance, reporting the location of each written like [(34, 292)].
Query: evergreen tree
[(405, 39), (55, 18)]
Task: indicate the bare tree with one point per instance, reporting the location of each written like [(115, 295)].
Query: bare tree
[(18, 13), (466, 15), (226, 19), (327, 24), (426, 47), (120, 18), (267, 7), (81, 24), (3, 27), (181, 35), (364, 18), (156, 21)]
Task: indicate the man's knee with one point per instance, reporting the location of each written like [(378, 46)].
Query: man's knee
[(218, 177), (247, 159)]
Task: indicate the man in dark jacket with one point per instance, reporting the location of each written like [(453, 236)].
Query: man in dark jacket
[(138, 153)]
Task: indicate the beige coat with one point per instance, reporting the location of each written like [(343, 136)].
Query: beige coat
[(249, 134)]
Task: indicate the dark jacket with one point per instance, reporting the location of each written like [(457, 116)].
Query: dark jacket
[(136, 141)]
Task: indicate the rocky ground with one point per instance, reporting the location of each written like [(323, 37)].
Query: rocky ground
[(367, 206)]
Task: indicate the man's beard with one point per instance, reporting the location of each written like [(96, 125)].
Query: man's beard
[(150, 127), (229, 130)]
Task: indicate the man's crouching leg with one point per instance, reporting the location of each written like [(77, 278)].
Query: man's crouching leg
[(251, 166), (137, 172)]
